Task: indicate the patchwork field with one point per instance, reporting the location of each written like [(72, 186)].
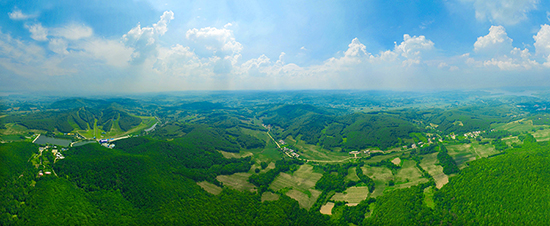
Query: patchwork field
[(306, 200), (237, 181), (352, 195), (461, 153), (516, 126), (408, 175), (302, 180), (210, 188), (542, 135), (436, 171)]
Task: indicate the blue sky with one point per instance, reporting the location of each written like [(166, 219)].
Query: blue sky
[(149, 46)]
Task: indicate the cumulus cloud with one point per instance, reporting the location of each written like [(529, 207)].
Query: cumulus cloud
[(38, 32), (356, 49), (73, 32), (143, 40), (162, 25), (496, 42), (412, 47), (216, 40), (16, 14), (507, 12), (542, 40)]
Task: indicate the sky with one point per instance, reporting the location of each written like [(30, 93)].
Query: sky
[(131, 46)]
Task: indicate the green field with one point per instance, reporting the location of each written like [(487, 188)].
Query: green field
[(352, 175), (381, 176), (313, 152), (306, 200), (522, 125)]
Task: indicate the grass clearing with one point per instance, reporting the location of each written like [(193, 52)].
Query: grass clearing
[(428, 163), (305, 200), (237, 181), (352, 175), (327, 208), (209, 187), (269, 196), (229, 155), (352, 195)]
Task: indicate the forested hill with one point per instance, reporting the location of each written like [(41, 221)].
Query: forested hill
[(83, 118), (331, 128), (507, 189), (142, 182)]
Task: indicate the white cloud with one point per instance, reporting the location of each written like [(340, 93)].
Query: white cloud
[(303, 48), (16, 14), (143, 40), (216, 40), (59, 46), (110, 52), (179, 61), (412, 47), (38, 32), (162, 25), (542, 40), (73, 32), (356, 49), (496, 42), (508, 12)]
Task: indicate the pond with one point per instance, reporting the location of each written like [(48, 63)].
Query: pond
[(84, 143), (50, 140)]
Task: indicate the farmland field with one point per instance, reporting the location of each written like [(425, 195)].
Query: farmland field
[(352, 195), (302, 179), (436, 171)]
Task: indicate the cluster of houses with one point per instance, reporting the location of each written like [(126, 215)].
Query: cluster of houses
[(291, 152), (105, 143), (473, 134)]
